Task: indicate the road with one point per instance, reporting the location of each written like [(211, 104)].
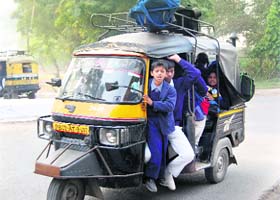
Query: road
[(257, 169)]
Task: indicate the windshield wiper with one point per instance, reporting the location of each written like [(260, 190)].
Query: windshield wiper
[(82, 94), (66, 97), (131, 88), (90, 96)]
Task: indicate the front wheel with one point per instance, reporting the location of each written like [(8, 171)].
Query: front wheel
[(218, 172), (66, 189), (31, 95)]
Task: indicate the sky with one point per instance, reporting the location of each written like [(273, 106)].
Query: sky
[(9, 38)]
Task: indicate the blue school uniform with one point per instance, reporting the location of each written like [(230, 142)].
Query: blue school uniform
[(160, 124), (183, 84)]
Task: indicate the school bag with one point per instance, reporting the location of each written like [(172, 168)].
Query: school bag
[(247, 86), (201, 108), (154, 14)]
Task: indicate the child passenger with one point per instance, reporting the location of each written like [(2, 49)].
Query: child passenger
[(161, 100), (212, 94)]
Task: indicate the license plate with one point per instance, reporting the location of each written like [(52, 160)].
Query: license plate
[(71, 128)]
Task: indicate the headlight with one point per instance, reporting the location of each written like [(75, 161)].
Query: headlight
[(113, 137), (48, 128), (45, 129), (109, 136)]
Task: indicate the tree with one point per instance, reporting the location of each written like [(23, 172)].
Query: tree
[(57, 27), (258, 10), (43, 37), (229, 16), (205, 6), (267, 50)]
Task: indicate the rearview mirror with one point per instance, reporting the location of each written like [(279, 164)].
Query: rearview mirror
[(55, 82), (111, 86)]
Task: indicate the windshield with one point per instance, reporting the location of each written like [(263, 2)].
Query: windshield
[(106, 79)]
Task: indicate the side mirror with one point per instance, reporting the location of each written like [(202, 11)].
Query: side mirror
[(55, 82)]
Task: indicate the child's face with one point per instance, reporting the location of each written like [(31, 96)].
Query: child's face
[(212, 79), (159, 73), (169, 74)]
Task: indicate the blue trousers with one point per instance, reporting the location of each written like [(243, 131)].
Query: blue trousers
[(157, 143)]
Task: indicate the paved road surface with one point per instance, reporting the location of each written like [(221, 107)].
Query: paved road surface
[(257, 170)]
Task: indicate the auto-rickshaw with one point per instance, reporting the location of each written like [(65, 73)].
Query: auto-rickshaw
[(97, 129), (18, 75)]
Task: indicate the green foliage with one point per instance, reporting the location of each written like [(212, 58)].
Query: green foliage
[(267, 49), (227, 15), (256, 21), (205, 6), (54, 28), (271, 83)]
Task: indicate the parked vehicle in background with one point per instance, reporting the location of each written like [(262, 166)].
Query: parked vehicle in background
[(19, 75)]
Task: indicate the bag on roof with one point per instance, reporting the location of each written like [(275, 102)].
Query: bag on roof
[(247, 87), (154, 14)]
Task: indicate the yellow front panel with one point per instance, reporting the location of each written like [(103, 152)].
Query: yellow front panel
[(100, 111)]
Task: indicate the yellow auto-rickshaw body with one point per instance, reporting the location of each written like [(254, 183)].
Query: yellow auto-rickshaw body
[(19, 74)]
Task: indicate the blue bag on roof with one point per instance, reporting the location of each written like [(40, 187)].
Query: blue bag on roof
[(154, 14)]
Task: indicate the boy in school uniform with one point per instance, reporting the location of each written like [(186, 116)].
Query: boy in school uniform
[(161, 100), (177, 139)]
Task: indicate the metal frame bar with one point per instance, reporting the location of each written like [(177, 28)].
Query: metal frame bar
[(106, 176), (129, 26), (97, 148)]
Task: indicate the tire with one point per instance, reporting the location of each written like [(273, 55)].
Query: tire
[(31, 95), (66, 189), (7, 95), (218, 172), (10, 95)]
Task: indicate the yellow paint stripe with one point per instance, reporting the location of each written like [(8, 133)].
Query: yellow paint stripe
[(230, 112), (21, 82)]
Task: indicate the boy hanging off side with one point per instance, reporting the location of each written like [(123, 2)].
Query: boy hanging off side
[(177, 139), (161, 100)]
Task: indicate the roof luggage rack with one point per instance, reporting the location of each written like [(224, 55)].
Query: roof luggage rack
[(188, 19), (186, 22), (120, 22), (10, 53)]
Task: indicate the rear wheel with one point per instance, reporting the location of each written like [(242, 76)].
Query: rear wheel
[(218, 172), (10, 95), (68, 189), (7, 95)]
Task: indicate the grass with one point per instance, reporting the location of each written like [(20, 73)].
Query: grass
[(267, 84)]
